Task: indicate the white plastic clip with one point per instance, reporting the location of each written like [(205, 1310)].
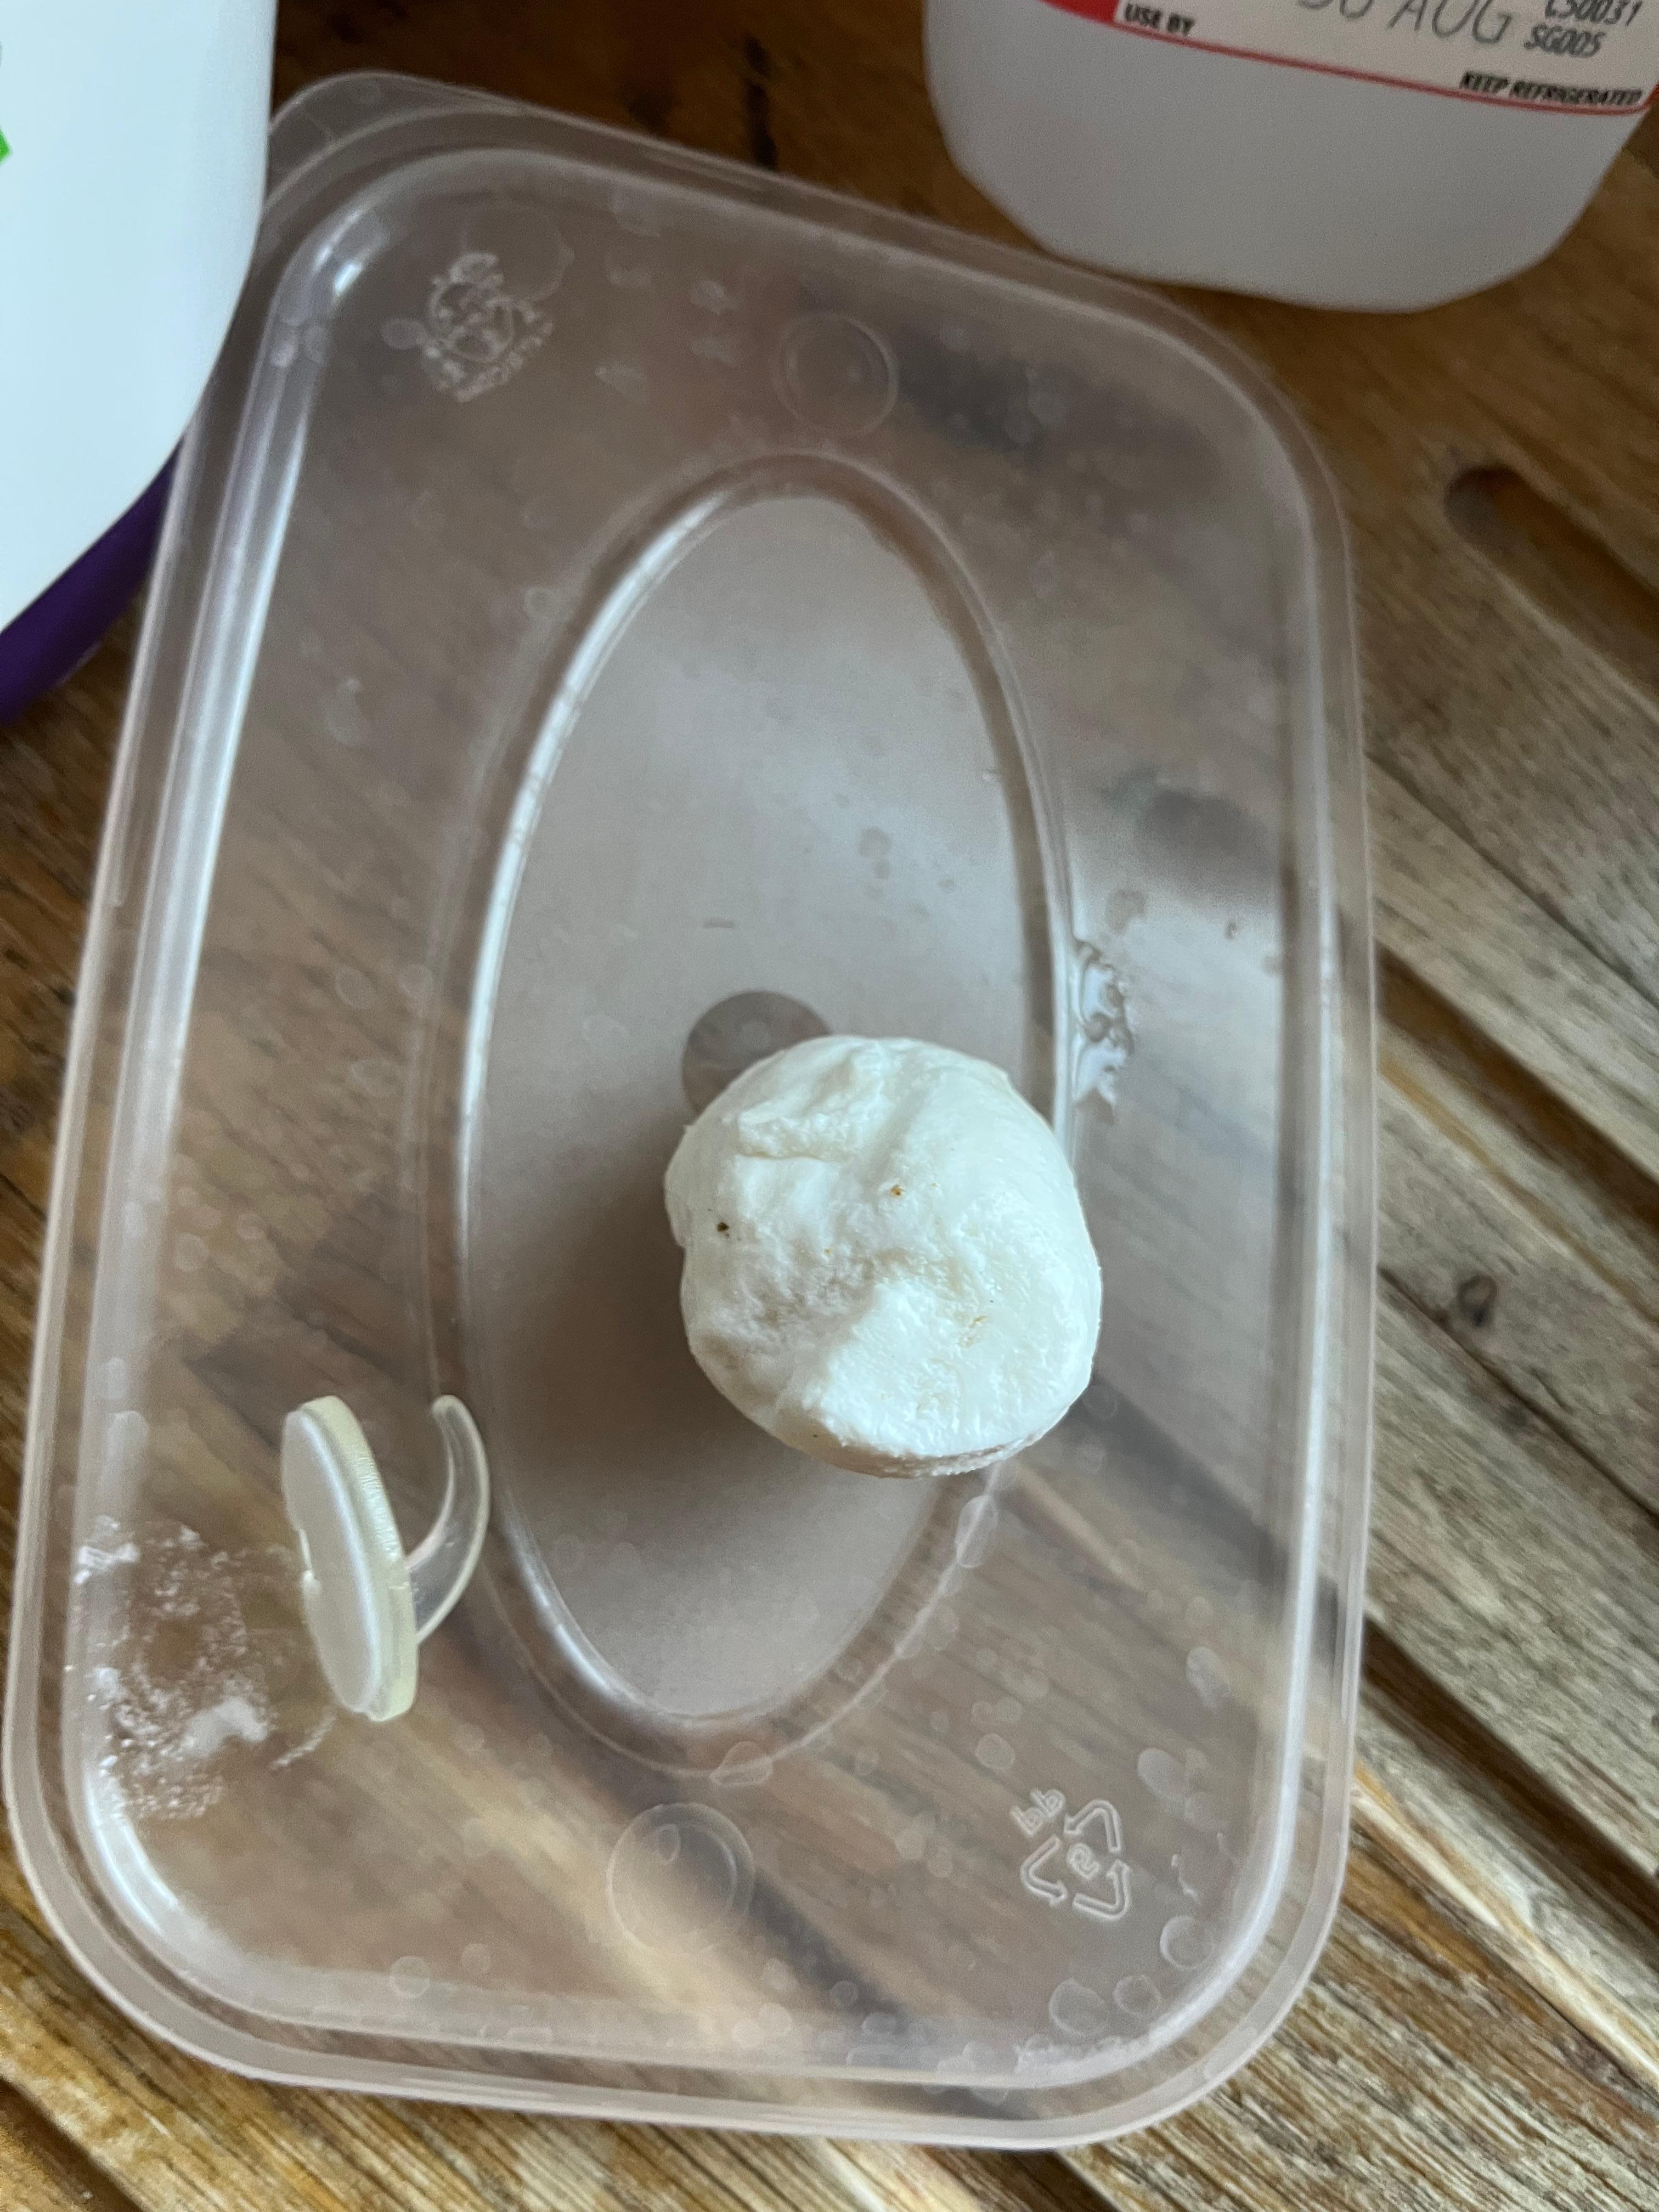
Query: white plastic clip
[(367, 1604)]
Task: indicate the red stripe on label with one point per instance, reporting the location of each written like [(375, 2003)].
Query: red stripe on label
[(1104, 12)]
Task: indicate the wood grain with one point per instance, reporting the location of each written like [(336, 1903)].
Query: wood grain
[(1450, 917), (1484, 702), (1501, 1270), (1569, 575), (1413, 2074), (41, 2170), (1518, 1134), (1511, 1860), (1480, 2032), (1518, 1577)]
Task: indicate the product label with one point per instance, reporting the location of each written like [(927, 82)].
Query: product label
[(1570, 57)]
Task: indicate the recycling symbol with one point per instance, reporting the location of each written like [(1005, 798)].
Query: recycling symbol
[(1102, 1879)]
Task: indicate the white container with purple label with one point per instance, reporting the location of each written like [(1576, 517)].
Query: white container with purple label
[(132, 162)]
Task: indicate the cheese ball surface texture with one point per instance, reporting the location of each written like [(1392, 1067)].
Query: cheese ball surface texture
[(887, 1262)]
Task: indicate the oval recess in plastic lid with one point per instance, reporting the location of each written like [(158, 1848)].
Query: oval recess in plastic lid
[(618, 614)]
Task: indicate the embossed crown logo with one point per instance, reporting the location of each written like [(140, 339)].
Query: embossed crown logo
[(476, 331)]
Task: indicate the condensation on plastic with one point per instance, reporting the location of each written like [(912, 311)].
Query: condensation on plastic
[(607, 593)]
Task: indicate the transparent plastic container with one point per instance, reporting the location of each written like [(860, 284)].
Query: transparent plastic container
[(615, 605)]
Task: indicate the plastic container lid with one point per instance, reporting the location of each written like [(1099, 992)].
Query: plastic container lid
[(619, 612)]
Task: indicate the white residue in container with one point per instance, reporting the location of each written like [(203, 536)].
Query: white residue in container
[(106, 1549), (1104, 1035), (183, 1685)]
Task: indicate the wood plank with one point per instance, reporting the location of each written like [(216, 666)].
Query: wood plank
[(1553, 370), (1571, 578), (57, 762), (1542, 754), (132, 2107), (1040, 2181), (1482, 696), (54, 770), (1516, 1135), (19, 1259), (1504, 1279), (41, 2171), (1415, 2073), (1493, 953), (1516, 1576), (1508, 1859)]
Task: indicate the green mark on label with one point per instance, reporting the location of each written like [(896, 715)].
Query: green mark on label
[(5, 147)]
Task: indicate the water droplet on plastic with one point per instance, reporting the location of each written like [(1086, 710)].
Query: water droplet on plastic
[(344, 717), (1138, 1995), (911, 1840), (376, 1079), (836, 374), (637, 216), (1207, 1676), (939, 1627), (1164, 1776), (410, 1977), (1185, 1943), (745, 1767), (995, 1753), (713, 1878), (1080, 2012)]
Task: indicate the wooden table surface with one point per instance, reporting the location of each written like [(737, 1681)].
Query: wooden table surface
[(1484, 2028)]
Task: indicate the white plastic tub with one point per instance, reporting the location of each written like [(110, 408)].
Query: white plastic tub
[(1273, 148)]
